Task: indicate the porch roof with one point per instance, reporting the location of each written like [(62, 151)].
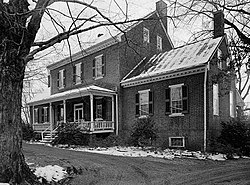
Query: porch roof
[(178, 59), (73, 93)]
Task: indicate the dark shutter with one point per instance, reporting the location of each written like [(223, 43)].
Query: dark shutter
[(64, 78), (82, 71), (42, 115), (185, 99), (48, 80), (48, 114), (58, 79), (74, 74), (137, 105), (94, 68), (167, 100), (151, 105), (103, 65)]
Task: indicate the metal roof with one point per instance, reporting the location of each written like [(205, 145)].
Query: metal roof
[(73, 93), (185, 57)]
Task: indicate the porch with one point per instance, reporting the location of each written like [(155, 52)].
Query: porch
[(92, 109)]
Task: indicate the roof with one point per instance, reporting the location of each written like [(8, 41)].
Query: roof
[(74, 93), (185, 57), (108, 40)]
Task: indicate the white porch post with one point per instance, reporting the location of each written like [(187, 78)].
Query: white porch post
[(33, 116), (50, 115), (116, 111), (64, 111), (113, 112), (91, 112)]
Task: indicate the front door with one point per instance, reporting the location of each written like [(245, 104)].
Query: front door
[(78, 112)]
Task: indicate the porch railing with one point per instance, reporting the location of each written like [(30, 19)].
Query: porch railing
[(96, 126), (40, 127)]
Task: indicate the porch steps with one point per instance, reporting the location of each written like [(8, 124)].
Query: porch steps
[(49, 137)]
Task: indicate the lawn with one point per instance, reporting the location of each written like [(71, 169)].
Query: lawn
[(108, 169)]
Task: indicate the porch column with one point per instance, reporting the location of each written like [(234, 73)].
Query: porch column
[(64, 111), (91, 112), (33, 116), (51, 115), (113, 112)]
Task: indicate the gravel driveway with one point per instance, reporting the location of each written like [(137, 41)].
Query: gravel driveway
[(113, 170)]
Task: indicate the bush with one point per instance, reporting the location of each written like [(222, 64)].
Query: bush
[(106, 141), (70, 134), (27, 132), (144, 132), (234, 138)]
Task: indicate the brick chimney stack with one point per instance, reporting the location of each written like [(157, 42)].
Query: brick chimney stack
[(161, 8), (218, 24)]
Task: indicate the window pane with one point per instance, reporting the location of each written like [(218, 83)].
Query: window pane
[(176, 99), (144, 103), (98, 66), (78, 73)]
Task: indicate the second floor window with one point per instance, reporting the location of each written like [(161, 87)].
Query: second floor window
[(98, 67), (159, 43), (145, 35), (61, 79), (77, 73)]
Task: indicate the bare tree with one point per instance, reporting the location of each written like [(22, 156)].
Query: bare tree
[(20, 44), (199, 13)]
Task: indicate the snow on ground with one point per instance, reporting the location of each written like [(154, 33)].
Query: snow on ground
[(50, 172)]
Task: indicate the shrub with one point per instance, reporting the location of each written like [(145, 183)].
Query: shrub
[(234, 138), (144, 132), (70, 134), (27, 132)]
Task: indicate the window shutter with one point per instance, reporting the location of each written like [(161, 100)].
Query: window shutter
[(48, 80), (58, 79), (167, 100), (82, 71), (64, 78), (137, 105), (42, 115), (103, 65), (94, 68), (48, 114), (74, 74), (185, 99), (151, 105)]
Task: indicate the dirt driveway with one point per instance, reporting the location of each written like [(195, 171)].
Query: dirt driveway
[(113, 170)]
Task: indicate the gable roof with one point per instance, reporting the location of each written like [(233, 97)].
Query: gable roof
[(102, 44), (178, 59)]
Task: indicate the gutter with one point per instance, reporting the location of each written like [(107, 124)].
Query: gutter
[(205, 109)]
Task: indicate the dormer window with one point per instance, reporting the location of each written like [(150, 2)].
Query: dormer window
[(145, 35), (77, 73), (159, 43), (98, 67)]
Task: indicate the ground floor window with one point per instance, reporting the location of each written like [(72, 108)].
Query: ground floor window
[(78, 112), (176, 142)]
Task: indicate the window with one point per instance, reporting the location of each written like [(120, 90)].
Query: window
[(176, 99), (215, 99), (145, 35), (220, 59), (159, 43), (77, 73), (61, 79), (231, 100), (99, 108), (144, 103), (78, 112), (36, 115), (45, 116), (98, 67), (176, 142)]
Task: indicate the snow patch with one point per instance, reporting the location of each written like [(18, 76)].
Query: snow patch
[(50, 172)]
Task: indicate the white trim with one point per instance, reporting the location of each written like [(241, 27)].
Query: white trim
[(176, 114), (205, 109), (170, 142), (117, 116), (176, 85), (150, 79), (142, 91), (64, 111)]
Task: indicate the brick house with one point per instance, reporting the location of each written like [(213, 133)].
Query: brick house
[(85, 88), (187, 91)]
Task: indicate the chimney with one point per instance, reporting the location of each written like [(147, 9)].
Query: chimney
[(218, 24), (161, 8)]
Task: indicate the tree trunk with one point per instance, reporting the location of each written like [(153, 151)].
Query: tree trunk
[(13, 168)]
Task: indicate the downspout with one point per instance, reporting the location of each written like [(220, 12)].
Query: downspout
[(205, 109), (116, 111)]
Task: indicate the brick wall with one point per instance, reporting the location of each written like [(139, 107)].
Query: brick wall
[(190, 125)]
